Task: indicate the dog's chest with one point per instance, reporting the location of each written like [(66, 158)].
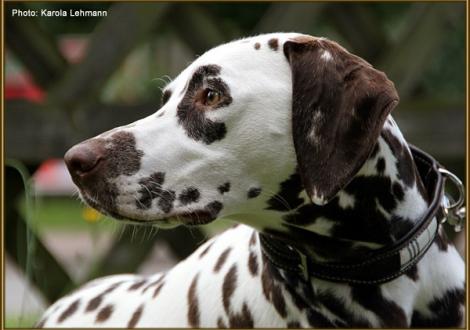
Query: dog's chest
[(228, 283)]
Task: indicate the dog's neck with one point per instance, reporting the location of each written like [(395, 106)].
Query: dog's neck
[(379, 206)]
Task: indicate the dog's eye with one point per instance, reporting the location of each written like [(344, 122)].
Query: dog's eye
[(211, 97)]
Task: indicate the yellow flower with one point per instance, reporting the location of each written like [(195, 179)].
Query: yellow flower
[(91, 215)]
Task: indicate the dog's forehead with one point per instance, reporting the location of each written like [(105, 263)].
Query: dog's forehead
[(259, 52), (251, 47)]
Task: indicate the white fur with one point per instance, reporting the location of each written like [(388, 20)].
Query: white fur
[(326, 56)]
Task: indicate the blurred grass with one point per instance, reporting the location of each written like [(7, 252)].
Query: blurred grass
[(60, 213), (21, 321), (67, 214)]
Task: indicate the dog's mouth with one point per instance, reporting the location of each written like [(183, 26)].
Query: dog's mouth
[(171, 220)]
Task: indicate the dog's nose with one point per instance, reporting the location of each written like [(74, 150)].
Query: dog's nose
[(82, 158)]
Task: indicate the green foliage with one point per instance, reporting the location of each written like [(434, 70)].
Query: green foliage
[(21, 321), (445, 76)]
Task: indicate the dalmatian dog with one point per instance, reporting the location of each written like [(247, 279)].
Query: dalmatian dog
[(288, 135)]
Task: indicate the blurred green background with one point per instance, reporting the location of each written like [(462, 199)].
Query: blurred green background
[(68, 79)]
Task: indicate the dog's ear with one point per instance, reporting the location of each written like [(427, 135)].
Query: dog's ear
[(339, 104)]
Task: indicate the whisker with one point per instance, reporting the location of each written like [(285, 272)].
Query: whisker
[(271, 194)]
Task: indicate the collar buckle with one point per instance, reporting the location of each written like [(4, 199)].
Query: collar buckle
[(454, 212)]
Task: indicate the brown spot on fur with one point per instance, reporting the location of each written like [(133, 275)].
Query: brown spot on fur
[(266, 281), (137, 285), (398, 191), (406, 167), (220, 323), (253, 192), (222, 258), (189, 195), (224, 188), (193, 304), (160, 114), (167, 198), (293, 325), (371, 298), (204, 252), (151, 188), (228, 287), (203, 216), (57, 307), (273, 292), (412, 273), (213, 208), (158, 289), (123, 155), (156, 282), (444, 312), (380, 165), (257, 45), (242, 320), (278, 301), (273, 44), (94, 303), (69, 311), (441, 241), (253, 239), (104, 314), (253, 263), (41, 323), (135, 317), (165, 97)]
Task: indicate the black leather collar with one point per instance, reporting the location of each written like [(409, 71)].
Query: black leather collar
[(386, 263)]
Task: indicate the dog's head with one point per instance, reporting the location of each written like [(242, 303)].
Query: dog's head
[(235, 124)]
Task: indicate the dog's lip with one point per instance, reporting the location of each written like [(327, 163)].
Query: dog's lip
[(192, 218), (96, 205), (197, 217)]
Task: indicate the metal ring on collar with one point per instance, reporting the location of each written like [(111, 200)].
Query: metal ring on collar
[(457, 183), (454, 210)]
